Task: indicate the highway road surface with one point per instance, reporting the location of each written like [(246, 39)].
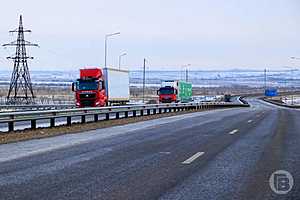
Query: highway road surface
[(220, 154)]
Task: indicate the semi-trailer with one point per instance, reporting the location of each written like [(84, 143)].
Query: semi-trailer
[(98, 87), (175, 91)]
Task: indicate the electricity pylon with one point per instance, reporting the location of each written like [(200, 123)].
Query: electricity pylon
[(20, 89)]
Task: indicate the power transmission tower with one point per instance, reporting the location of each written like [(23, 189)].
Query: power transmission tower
[(20, 89)]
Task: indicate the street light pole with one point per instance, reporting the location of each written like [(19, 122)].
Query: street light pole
[(120, 56), (105, 46), (292, 74), (186, 75), (105, 51), (186, 71), (265, 81), (144, 79), (292, 70)]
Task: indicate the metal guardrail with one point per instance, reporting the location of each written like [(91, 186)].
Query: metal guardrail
[(242, 100), (128, 111), (5, 108), (280, 104)]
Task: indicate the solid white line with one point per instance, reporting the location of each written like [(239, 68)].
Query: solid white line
[(192, 158), (233, 132), (249, 121)]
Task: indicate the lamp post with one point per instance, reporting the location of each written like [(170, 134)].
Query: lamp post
[(186, 71), (292, 70), (120, 57), (292, 78), (265, 79), (144, 79), (105, 46)]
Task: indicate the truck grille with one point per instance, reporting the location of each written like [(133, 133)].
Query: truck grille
[(166, 100), (87, 95), (87, 103)]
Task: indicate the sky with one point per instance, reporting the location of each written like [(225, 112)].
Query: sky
[(207, 34)]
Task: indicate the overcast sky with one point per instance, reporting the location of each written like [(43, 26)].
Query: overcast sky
[(208, 34)]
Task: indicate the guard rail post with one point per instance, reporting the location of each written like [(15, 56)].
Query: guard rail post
[(154, 111), (33, 123), (96, 117), (69, 120), (134, 113), (83, 118), (52, 122), (11, 123)]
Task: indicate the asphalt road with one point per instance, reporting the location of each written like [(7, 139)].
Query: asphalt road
[(222, 154)]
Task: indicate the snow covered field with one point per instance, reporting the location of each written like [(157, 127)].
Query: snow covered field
[(198, 78)]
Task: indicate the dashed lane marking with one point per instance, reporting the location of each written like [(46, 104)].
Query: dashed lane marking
[(192, 158), (233, 131), (165, 152)]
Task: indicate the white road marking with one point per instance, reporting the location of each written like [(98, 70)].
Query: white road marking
[(249, 121), (233, 132), (165, 152), (192, 158)]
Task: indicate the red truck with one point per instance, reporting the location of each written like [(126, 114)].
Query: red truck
[(175, 91), (97, 87)]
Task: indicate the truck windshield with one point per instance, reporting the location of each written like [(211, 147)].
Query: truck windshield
[(166, 90), (87, 85)]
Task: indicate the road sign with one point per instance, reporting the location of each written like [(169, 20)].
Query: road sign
[(271, 92)]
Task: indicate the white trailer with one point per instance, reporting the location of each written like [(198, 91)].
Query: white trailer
[(170, 83), (116, 85)]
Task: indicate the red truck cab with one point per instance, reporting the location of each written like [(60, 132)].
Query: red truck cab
[(167, 94), (89, 88)]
